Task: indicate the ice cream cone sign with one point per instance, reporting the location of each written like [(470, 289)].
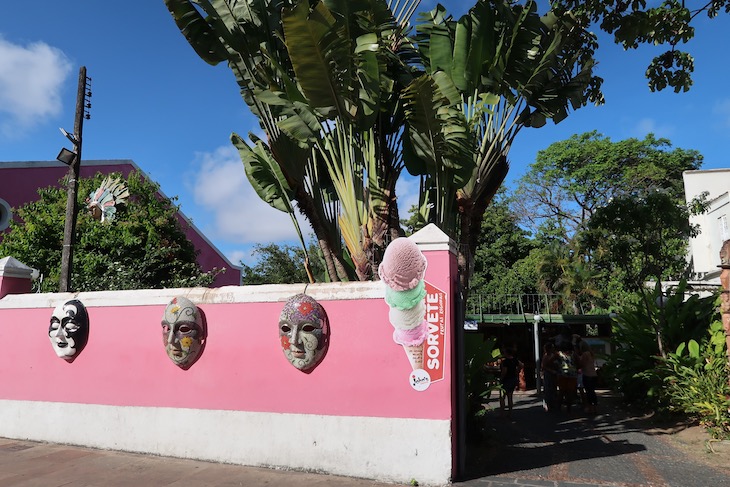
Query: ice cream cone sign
[(403, 272)]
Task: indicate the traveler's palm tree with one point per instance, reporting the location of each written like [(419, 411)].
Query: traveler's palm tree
[(347, 101), (324, 80), (512, 69)]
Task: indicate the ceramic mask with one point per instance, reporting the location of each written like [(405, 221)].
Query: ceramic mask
[(182, 332), (69, 329), (303, 331)]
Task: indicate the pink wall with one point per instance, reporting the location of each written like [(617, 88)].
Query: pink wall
[(19, 183), (356, 411), (242, 368), (364, 373)]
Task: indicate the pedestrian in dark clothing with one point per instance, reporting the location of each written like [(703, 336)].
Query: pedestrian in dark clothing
[(567, 370), (587, 365), (510, 367), (549, 366)]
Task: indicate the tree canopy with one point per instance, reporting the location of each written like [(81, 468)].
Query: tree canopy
[(501, 262), (573, 178), (638, 238), (277, 264), (602, 218), (632, 23), (636, 231), (143, 247)]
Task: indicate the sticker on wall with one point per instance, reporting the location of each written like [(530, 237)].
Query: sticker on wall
[(420, 380), (183, 332), (416, 311), (304, 332), (69, 329)]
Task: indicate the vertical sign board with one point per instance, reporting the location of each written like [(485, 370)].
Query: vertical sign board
[(434, 348)]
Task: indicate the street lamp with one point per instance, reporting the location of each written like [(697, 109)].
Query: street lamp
[(537, 319), (66, 156), (72, 158)]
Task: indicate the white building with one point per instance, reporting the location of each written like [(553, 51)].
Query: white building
[(714, 225)]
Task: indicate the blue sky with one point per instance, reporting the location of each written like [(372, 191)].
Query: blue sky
[(155, 102)]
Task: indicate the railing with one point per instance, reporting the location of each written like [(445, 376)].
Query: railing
[(517, 304)]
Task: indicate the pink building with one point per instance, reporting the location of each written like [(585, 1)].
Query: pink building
[(20, 181)]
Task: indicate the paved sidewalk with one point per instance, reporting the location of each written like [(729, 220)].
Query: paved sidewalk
[(532, 448), (32, 464), (557, 449)]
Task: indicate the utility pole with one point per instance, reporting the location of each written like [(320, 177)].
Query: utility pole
[(74, 168)]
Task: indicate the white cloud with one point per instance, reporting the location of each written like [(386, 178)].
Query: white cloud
[(31, 78), (646, 126), (245, 256), (230, 213), (235, 212)]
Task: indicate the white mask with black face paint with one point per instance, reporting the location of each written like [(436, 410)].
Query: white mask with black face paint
[(69, 329)]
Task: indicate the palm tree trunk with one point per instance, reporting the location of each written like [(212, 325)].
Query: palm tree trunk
[(471, 216), (335, 269)]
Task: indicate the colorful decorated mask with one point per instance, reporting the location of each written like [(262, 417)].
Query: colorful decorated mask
[(183, 332), (69, 329), (304, 331)]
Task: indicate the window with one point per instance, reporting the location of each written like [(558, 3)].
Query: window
[(724, 230)]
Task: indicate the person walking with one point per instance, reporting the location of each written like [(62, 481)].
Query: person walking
[(587, 364), (577, 342), (567, 371), (549, 367), (510, 367)]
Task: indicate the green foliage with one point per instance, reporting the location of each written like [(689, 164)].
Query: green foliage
[(635, 365), (500, 252), (414, 222), (481, 376), (521, 277), (696, 378), (564, 271), (349, 95), (279, 265), (573, 178), (637, 238), (512, 68), (609, 215), (638, 22), (636, 352), (144, 247)]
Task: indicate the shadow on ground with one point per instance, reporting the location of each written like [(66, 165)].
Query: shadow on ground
[(532, 439)]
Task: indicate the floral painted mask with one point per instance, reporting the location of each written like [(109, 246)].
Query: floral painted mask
[(183, 333), (69, 329), (303, 331)]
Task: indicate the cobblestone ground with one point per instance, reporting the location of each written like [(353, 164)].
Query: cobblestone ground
[(611, 448)]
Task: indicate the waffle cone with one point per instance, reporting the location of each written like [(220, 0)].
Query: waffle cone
[(415, 355)]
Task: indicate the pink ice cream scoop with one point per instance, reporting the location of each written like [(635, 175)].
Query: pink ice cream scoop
[(403, 265), (414, 336)]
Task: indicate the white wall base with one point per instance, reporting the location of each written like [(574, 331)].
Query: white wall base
[(383, 449)]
